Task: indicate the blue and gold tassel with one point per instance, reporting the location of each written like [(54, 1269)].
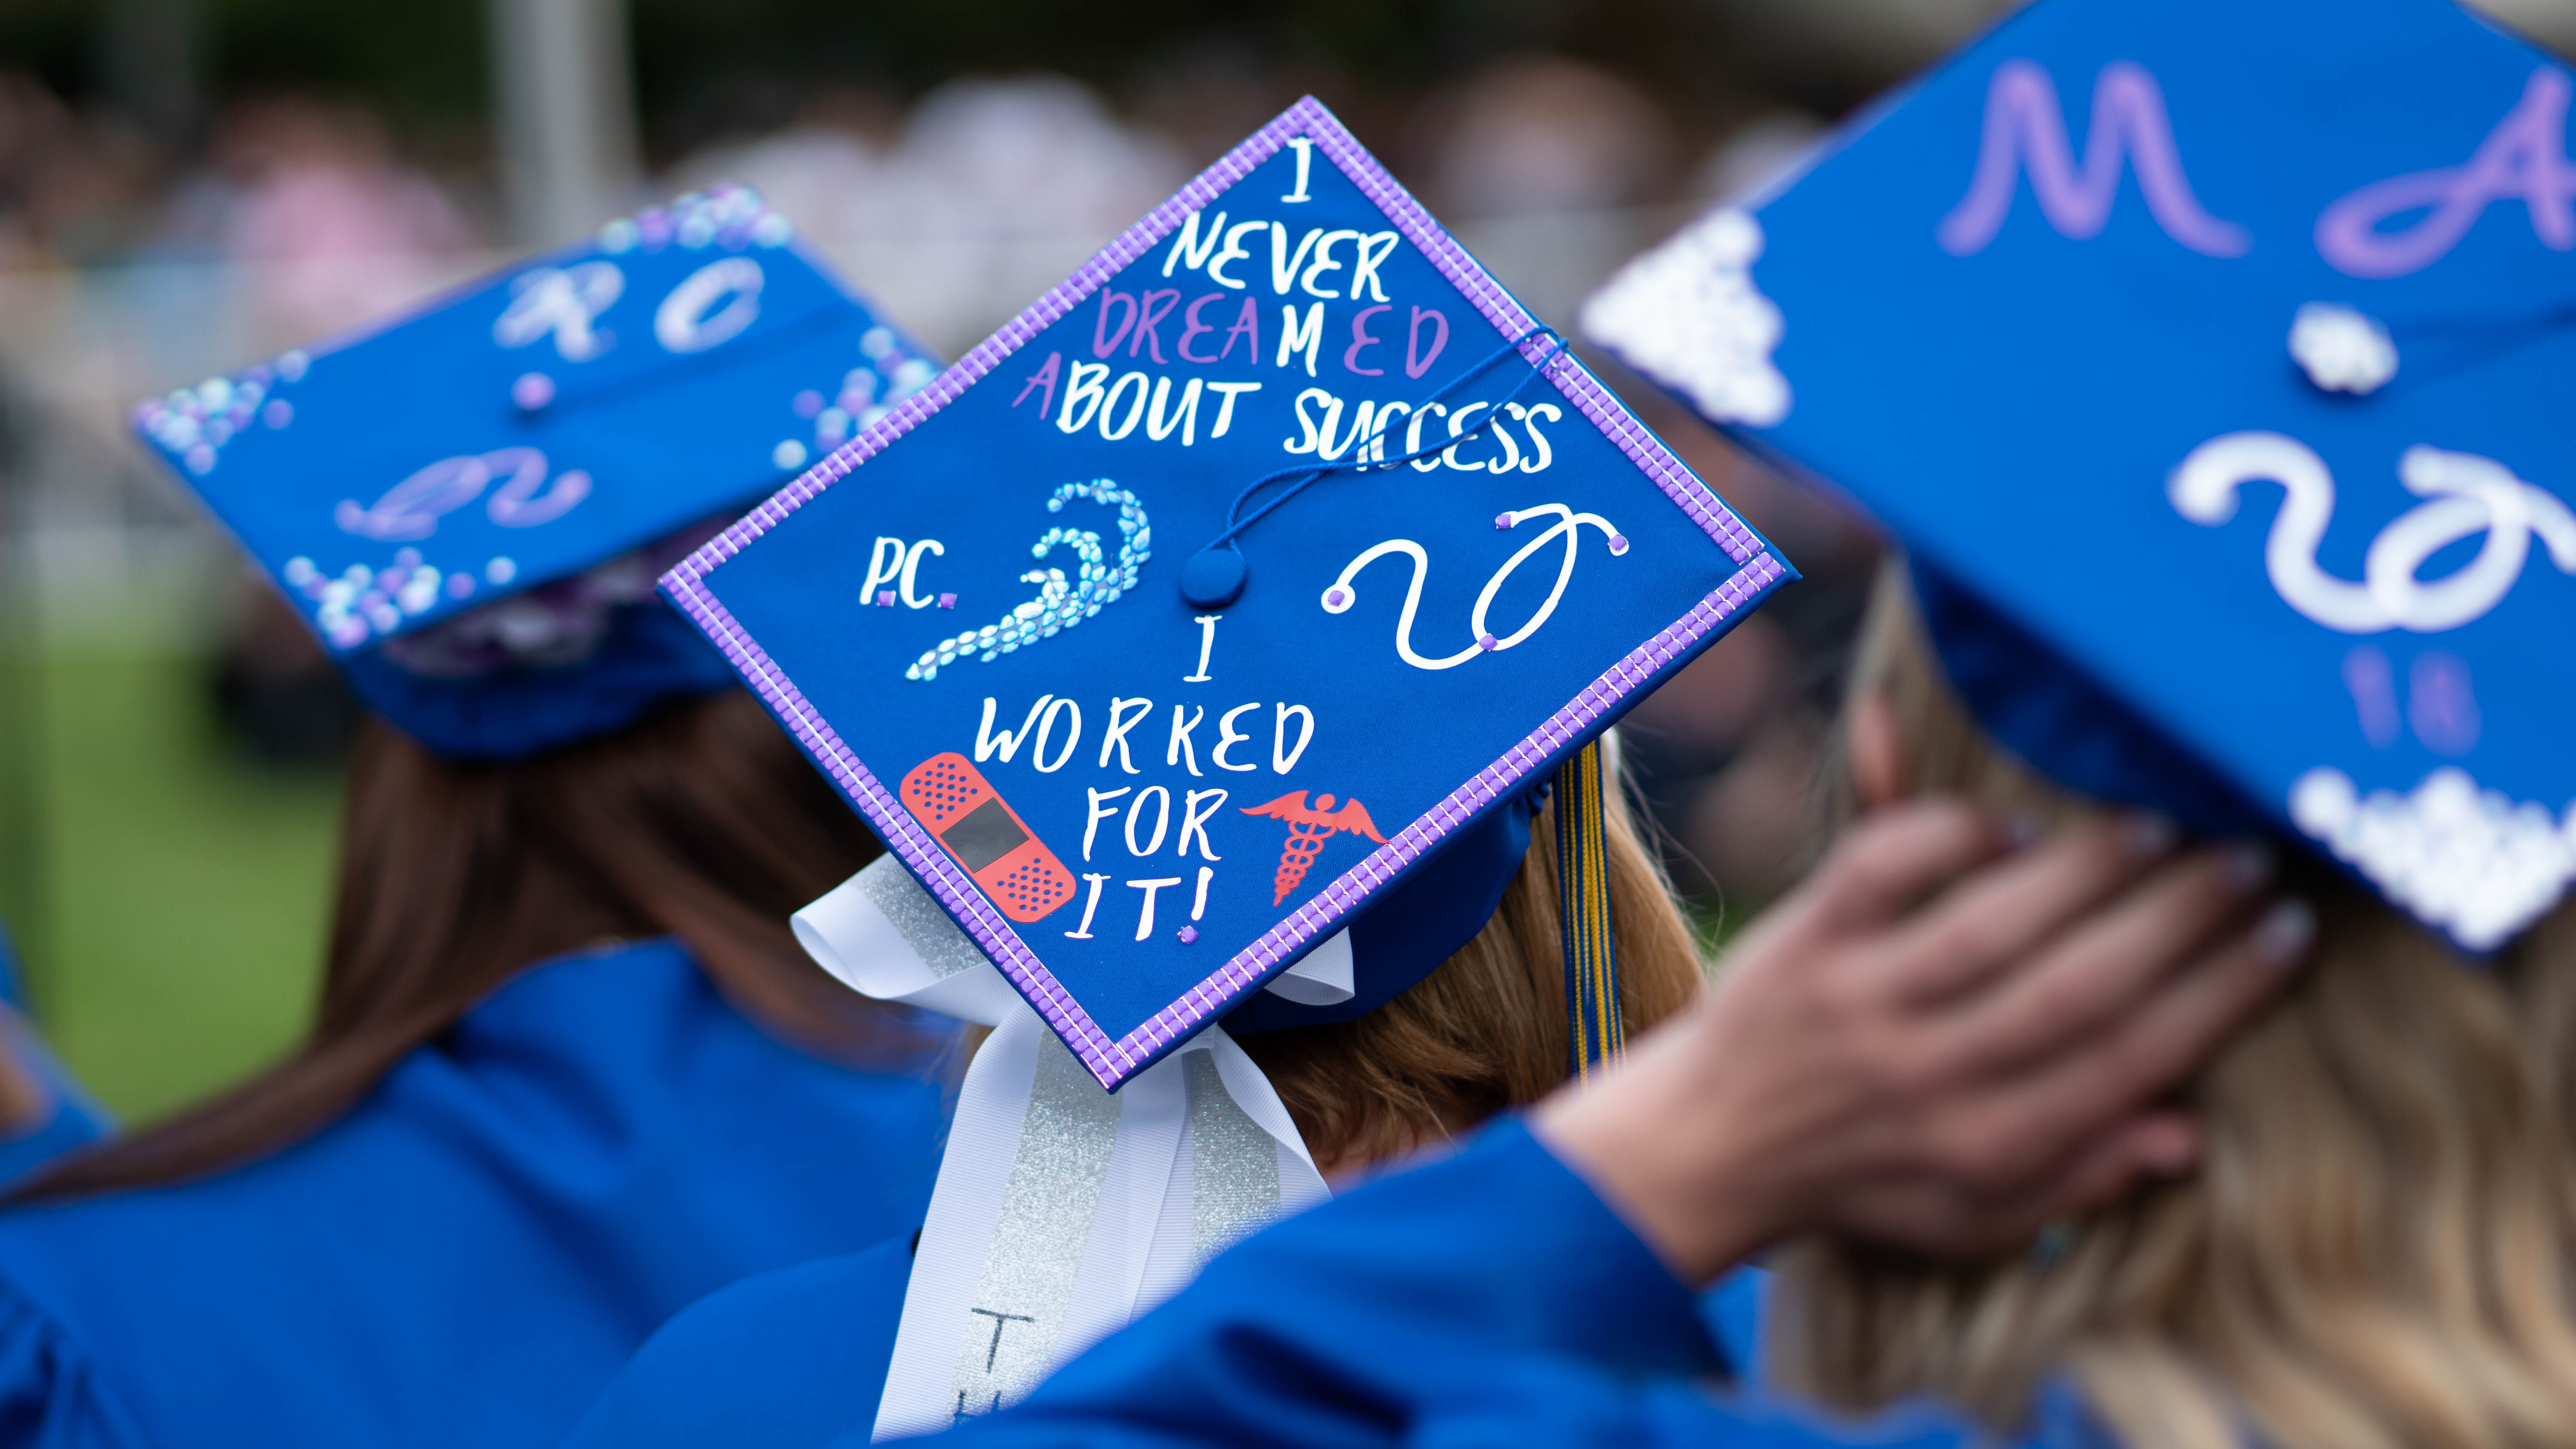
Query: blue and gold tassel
[(1583, 899)]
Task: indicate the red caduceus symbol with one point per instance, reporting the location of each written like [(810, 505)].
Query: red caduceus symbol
[(1308, 829)]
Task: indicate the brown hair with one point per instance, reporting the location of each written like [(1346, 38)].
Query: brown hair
[(1487, 1030), (700, 821), (2378, 1249)]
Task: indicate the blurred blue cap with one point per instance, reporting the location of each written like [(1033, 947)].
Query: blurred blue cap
[(1114, 639), (504, 443), (2208, 356)]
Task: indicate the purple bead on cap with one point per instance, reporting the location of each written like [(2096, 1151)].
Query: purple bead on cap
[(532, 391)]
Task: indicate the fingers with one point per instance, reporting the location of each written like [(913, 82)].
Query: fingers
[(1894, 858), (2155, 1144), (1877, 750), (1964, 938), (2155, 1044), (2152, 1144), (2107, 962), (1962, 1204)]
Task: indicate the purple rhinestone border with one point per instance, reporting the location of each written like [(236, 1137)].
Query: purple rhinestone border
[(1114, 1061)]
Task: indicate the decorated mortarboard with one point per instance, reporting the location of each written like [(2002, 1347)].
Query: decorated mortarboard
[(506, 441), (1211, 628), (2207, 357)]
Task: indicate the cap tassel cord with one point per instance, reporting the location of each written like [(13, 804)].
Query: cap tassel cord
[(1207, 587), (1594, 1032)]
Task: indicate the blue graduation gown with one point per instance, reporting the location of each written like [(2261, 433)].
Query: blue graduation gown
[(1491, 1299), (794, 1359), (72, 1117), (797, 1359), (471, 1254)]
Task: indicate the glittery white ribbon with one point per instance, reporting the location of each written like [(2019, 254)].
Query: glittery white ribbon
[(1062, 1211)]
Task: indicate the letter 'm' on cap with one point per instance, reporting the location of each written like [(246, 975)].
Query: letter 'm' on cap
[(1152, 718), (2214, 354)]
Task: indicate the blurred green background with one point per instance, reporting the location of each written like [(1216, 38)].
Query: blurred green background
[(190, 886)]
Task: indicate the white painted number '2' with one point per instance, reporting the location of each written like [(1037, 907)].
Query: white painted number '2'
[(410, 510), (2469, 496), (1344, 592)]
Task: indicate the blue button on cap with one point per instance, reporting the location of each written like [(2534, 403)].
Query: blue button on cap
[(1213, 578)]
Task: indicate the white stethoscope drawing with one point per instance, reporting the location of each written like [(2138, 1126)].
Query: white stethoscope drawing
[(1339, 598), (2469, 495)]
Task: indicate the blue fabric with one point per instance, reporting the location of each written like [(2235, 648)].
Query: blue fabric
[(13, 983), (2036, 314), (2061, 723), (1018, 607), (794, 1359), (74, 1118), (650, 654), (69, 1123), (1404, 934), (797, 1359), (525, 429), (471, 1254), (1732, 1311), (1490, 1299)]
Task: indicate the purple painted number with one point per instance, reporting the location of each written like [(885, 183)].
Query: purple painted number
[(2524, 158), (2374, 694), (2439, 702), (2026, 130), (2440, 705)]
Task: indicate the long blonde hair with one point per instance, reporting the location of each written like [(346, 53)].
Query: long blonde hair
[(1487, 1030), (2377, 1247)]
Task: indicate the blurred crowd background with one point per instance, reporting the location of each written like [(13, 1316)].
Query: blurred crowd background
[(186, 185)]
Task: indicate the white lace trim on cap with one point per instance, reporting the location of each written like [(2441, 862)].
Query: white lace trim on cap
[(2473, 862), (1688, 315)]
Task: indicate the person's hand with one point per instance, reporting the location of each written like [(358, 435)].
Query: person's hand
[(1936, 1042)]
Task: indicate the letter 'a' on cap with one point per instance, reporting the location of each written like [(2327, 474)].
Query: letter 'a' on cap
[(2209, 357), (528, 428), (1213, 597)]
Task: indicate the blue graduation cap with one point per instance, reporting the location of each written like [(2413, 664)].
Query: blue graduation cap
[(1258, 572), (507, 439), (2207, 355)]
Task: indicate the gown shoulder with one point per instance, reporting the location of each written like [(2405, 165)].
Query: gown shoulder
[(793, 1359), (1489, 1299), (470, 1254), (52, 1395), (71, 1118)]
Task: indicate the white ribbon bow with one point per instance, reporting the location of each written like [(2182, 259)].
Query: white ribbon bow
[(1062, 1211)]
